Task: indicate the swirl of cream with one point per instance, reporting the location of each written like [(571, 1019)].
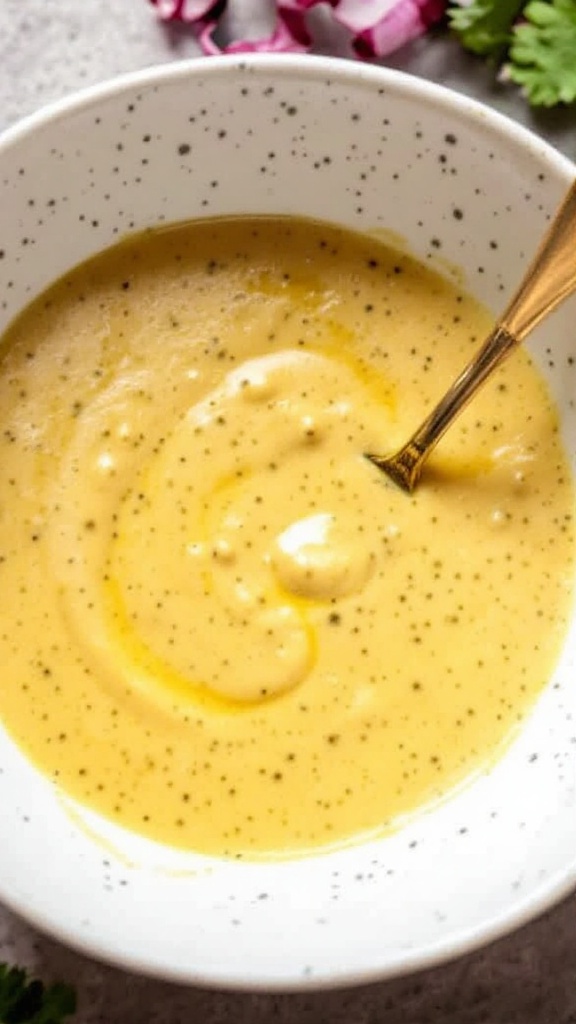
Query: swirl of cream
[(185, 565)]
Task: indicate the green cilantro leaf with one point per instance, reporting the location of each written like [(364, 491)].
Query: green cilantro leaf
[(484, 26), (542, 56), (28, 1002)]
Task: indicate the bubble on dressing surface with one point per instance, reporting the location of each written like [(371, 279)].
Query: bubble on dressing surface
[(319, 557)]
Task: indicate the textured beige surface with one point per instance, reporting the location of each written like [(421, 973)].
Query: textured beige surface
[(48, 48)]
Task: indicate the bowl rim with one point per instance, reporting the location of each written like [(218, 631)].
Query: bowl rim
[(413, 962), (429, 92), (559, 887)]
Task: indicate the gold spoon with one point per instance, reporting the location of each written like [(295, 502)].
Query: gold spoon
[(550, 278)]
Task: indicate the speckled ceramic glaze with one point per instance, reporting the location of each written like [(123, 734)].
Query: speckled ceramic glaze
[(371, 149)]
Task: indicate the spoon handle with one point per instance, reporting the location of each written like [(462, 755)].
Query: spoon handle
[(551, 278)]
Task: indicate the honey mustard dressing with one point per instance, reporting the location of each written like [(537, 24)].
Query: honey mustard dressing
[(221, 627)]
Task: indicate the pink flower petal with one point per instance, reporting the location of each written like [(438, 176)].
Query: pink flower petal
[(292, 15), (407, 20), (204, 36), (299, 5), (282, 40), (189, 11), (377, 27), (358, 16)]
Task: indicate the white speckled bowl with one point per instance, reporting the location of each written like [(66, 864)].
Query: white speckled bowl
[(371, 149)]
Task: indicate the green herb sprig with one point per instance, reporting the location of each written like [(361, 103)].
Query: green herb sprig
[(29, 1001), (534, 43)]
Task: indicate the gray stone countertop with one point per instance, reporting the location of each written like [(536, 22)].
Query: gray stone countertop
[(48, 48)]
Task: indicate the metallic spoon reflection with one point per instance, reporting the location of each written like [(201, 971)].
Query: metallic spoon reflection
[(551, 278)]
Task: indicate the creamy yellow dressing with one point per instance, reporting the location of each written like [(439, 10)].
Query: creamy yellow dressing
[(221, 626)]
